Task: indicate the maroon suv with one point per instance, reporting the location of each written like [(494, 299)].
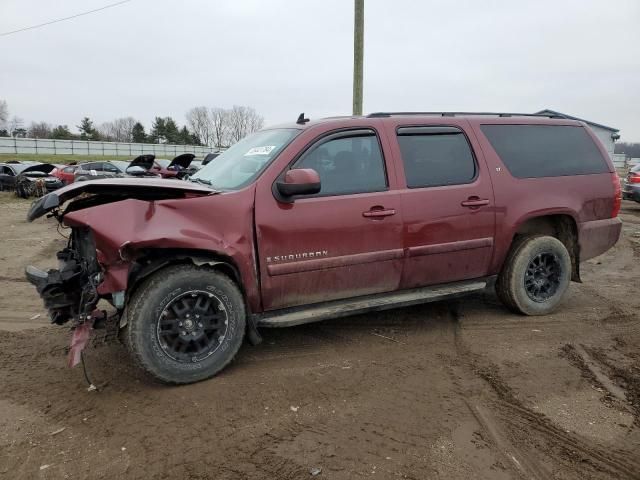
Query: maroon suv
[(322, 219)]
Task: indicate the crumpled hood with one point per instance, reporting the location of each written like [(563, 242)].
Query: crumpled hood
[(117, 189)]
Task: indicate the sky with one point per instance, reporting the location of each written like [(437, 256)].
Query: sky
[(148, 58)]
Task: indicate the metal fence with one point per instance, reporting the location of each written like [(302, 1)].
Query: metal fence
[(39, 146)]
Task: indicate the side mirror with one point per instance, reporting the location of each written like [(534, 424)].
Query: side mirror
[(299, 181), (136, 171)]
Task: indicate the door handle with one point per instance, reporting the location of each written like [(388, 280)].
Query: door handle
[(379, 212), (475, 202)]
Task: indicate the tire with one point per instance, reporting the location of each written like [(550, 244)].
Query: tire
[(535, 276), (168, 349)]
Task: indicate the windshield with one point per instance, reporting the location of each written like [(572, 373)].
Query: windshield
[(243, 162)]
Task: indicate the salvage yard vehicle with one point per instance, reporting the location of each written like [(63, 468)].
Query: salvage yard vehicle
[(323, 219), (28, 179), (103, 169), (175, 168), (66, 173), (631, 187)]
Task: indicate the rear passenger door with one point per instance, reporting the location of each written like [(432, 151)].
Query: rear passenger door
[(447, 205)]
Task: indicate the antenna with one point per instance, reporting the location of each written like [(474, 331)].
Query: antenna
[(301, 120)]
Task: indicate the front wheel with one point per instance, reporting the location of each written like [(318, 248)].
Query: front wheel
[(185, 324), (535, 276)]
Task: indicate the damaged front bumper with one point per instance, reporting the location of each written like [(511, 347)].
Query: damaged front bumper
[(70, 291)]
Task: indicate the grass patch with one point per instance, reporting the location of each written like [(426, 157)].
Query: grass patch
[(48, 158)]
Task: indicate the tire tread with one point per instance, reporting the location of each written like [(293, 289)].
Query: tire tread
[(132, 330)]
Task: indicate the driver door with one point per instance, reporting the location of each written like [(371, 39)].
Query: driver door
[(343, 242)]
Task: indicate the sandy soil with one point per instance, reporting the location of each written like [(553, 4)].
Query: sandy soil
[(450, 390)]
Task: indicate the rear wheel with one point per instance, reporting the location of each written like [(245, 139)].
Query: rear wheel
[(535, 276), (185, 324)]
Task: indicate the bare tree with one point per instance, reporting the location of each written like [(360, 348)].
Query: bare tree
[(4, 112), (15, 125), (118, 130), (39, 130), (256, 121), (201, 124), (219, 126), (242, 122)]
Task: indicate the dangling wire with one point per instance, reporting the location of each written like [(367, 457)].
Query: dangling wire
[(92, 387)]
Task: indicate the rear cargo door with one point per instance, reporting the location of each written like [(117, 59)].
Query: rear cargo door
[(447, 203), (345, 241)]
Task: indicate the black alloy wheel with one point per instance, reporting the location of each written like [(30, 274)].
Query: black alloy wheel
[(542, 277), (192, 326)]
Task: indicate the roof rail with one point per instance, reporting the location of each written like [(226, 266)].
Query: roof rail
[(455, 114)]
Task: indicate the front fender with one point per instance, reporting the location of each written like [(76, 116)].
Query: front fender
[(221, 225)]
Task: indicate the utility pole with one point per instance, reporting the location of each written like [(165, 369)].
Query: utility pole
[(358, 47)]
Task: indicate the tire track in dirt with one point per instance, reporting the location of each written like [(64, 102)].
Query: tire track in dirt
[(507, 410)]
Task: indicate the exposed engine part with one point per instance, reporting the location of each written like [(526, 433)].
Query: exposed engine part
[(27, 187), (70, 292)]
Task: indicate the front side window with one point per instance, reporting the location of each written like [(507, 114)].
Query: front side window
[(348, 164), (243, 162), (436, 156)]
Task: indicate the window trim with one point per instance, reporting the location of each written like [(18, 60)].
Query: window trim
[(437, 130), (325, 138)]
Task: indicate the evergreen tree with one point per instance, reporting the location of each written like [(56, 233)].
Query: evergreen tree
[(185, 136), (138, 134), (158, 131), (172, 133), (87, 130), (61, 132)]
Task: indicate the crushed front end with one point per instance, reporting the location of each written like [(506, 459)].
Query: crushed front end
[(70, 291)]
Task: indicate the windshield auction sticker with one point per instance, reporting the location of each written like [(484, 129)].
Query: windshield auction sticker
[(266, 150)]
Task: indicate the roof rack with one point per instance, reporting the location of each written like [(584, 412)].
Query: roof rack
[(455, 114)]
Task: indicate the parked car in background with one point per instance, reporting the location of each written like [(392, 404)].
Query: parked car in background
[(194, 167), (176, 168), (28, 179), (65, 173), (198, 164), (102, 169), (631, 186), (323, 219), (209, 157)]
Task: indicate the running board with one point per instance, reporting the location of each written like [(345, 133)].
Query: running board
[(341, 308)]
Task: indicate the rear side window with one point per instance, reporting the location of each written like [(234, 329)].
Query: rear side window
[(348, 164), (436, 156), (533, 151)]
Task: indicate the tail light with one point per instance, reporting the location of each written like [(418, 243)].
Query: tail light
[(617, 195), (633, 178)]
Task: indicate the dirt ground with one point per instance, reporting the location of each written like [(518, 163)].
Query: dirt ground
[(450, 390)]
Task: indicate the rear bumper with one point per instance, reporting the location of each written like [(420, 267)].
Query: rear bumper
[(598, 236), (631, 192)]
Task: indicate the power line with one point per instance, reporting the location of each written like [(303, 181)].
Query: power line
[(111, 5)]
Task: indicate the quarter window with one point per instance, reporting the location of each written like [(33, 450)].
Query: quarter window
[(533, 151), (436, 156), (348, 164)]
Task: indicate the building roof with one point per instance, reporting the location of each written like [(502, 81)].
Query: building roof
[(570, 117)]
